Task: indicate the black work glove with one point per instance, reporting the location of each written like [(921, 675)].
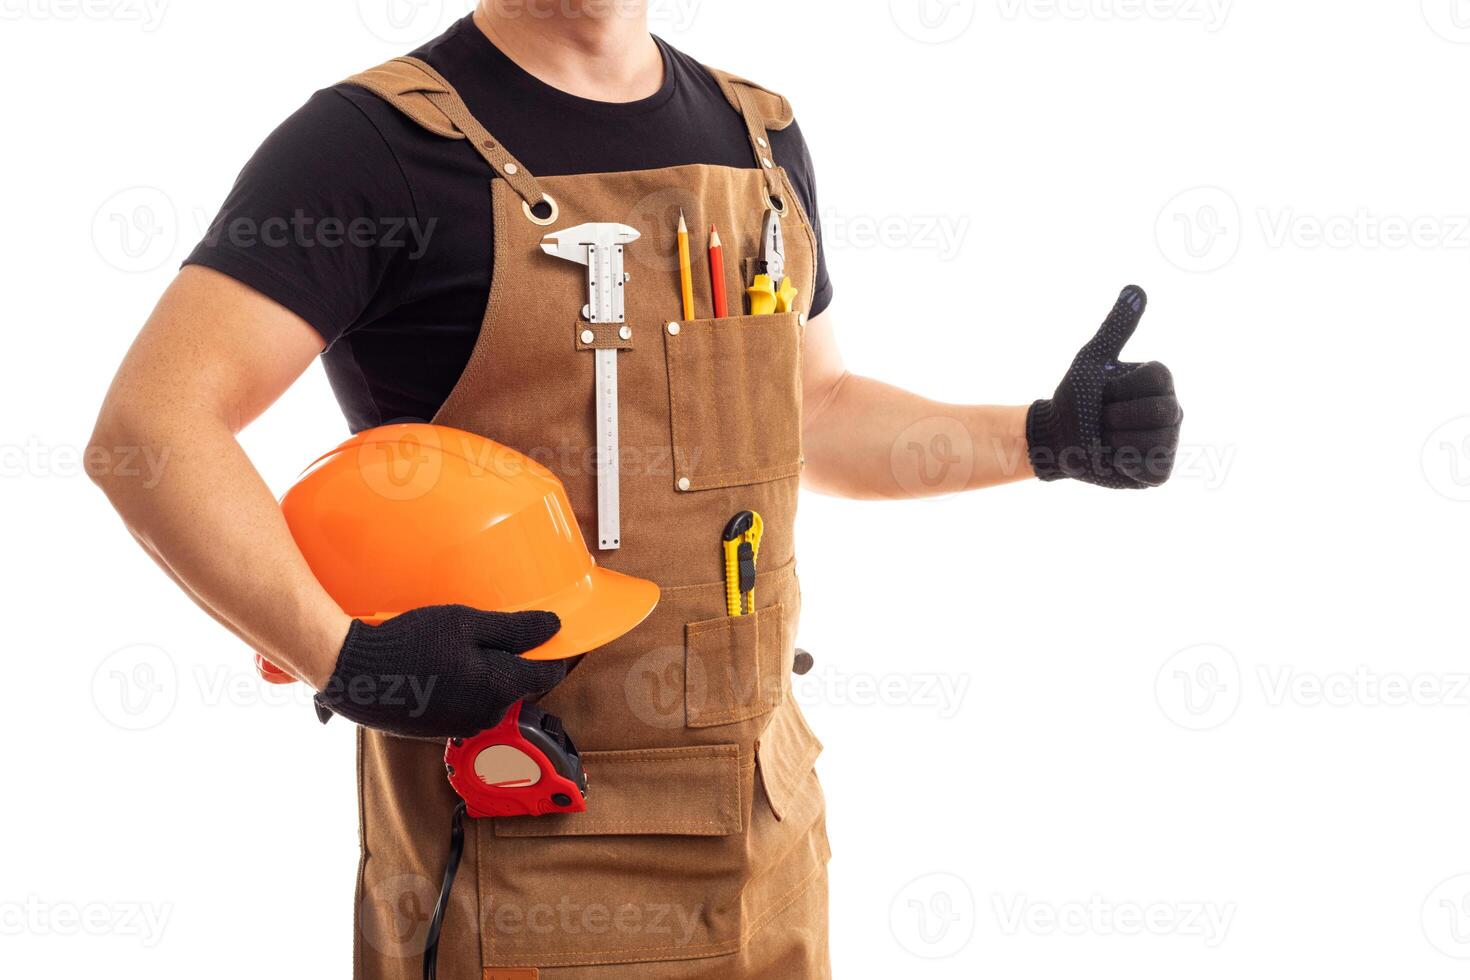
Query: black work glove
[(1111, 423), (440, 671)]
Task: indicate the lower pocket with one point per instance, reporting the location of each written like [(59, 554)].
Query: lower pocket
[(683, 853), (653, 870)]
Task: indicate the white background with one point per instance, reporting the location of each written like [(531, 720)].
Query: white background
[(1234, 709)]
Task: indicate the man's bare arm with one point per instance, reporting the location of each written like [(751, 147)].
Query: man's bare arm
[(212, 357), (869, 440)]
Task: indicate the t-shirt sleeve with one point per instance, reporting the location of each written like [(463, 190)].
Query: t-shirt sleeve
[(791, 152), (320, 218)]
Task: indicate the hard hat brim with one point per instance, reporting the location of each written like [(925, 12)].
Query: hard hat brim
[(599, 609), (591, 618)]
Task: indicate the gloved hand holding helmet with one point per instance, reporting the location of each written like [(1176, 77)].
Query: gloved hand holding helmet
[(1110, 423), (441, 671)]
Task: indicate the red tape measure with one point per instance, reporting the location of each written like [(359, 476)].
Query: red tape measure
[(524, 766)]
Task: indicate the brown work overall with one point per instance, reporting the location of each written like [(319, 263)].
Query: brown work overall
[(702, 854)]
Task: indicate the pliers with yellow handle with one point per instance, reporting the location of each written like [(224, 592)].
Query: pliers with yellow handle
[(772, 291)]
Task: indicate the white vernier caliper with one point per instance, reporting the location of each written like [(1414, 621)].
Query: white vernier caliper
[(599, 246)]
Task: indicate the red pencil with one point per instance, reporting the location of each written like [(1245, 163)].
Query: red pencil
[(717, 272)]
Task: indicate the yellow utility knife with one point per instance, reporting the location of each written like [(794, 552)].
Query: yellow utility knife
[(772, 291), (741, 543)]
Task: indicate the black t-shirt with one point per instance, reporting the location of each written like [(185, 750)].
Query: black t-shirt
[(378, 233)]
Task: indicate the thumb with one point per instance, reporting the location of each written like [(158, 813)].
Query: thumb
[(514, 632), (1111, 337)]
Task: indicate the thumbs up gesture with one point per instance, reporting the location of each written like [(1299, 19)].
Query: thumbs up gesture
[(1111, 423)]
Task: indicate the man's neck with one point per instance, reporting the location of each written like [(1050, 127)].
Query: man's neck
[(589, 48)]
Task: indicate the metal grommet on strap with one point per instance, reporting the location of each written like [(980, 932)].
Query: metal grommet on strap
[(775, 202), (552, 210)]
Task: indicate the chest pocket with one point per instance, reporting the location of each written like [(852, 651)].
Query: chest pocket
[(735, 399)]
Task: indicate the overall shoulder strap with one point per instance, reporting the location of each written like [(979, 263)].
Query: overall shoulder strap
[(414, 88), (763, 111)]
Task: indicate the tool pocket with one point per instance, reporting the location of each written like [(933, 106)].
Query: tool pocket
[(734, 400), (734, 667), (653, 871)]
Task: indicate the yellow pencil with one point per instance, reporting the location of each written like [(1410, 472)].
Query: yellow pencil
[(686, 275)]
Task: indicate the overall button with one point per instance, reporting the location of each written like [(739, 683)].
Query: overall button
[(803, 662)]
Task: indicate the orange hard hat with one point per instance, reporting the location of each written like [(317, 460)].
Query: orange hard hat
[(412, 515)]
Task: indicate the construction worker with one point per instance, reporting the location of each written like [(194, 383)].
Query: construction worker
[(393, 226)]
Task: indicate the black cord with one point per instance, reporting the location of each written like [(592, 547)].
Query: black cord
[(456, 851)]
